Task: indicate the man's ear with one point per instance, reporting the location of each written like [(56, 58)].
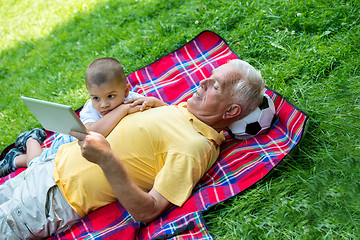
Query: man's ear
[(232, 111), (127, 89)]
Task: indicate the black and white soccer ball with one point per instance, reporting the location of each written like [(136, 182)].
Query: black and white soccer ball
[(257, 122)]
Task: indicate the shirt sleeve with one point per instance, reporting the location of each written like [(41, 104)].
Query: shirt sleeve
[(133, 95), (178, 177), (88, 113)]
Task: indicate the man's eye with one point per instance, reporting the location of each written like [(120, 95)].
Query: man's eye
[(111, 96), (95, 98)]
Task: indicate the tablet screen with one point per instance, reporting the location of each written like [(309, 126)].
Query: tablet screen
[(55, 117)]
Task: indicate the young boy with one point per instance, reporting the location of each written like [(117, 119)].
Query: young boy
[(107, 87)]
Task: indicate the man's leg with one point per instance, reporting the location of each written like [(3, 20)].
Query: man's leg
[(5, 229), (37, 208), (6, 192)]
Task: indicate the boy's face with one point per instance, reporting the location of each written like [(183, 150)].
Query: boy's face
[(107, 96)]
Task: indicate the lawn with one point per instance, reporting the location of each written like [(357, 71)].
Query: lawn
[(307, 50)]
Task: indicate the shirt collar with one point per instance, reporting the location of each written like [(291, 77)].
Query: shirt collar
[(202, 127)]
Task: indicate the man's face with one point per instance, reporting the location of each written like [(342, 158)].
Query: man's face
[(213, 96)]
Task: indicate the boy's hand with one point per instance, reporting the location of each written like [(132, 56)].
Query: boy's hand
[(134, 109), (145, 102)]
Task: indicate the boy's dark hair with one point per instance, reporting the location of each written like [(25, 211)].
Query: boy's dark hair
[(104, 70)]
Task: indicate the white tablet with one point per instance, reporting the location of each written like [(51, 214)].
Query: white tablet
[(55, 117)]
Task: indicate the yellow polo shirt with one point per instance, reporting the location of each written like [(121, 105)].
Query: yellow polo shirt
[(166, 148)]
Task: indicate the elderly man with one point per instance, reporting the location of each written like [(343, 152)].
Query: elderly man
[(151, 160)]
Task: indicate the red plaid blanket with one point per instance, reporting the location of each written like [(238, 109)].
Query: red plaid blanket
[(174, 78)]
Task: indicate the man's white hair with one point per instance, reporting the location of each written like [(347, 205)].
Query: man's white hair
[(248, 90)]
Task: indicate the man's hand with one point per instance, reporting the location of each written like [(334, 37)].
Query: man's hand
[(94, 146), (143, 206)]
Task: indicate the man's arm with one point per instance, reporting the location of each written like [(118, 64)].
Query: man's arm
[(141, 205)]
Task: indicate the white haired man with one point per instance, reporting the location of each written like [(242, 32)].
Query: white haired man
[(140, 163)]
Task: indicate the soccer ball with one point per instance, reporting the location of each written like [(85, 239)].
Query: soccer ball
[(257, 122)]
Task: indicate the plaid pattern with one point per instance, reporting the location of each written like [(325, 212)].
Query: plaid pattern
[(188, 226), (48, 141), (174, 78)]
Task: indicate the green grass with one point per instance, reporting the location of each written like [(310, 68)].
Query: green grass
[(307, 50)]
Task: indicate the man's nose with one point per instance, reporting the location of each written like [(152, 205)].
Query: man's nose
[(203, 83)]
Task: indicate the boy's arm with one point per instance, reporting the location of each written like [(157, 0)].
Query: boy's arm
[(106, 124), (146, 102)]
